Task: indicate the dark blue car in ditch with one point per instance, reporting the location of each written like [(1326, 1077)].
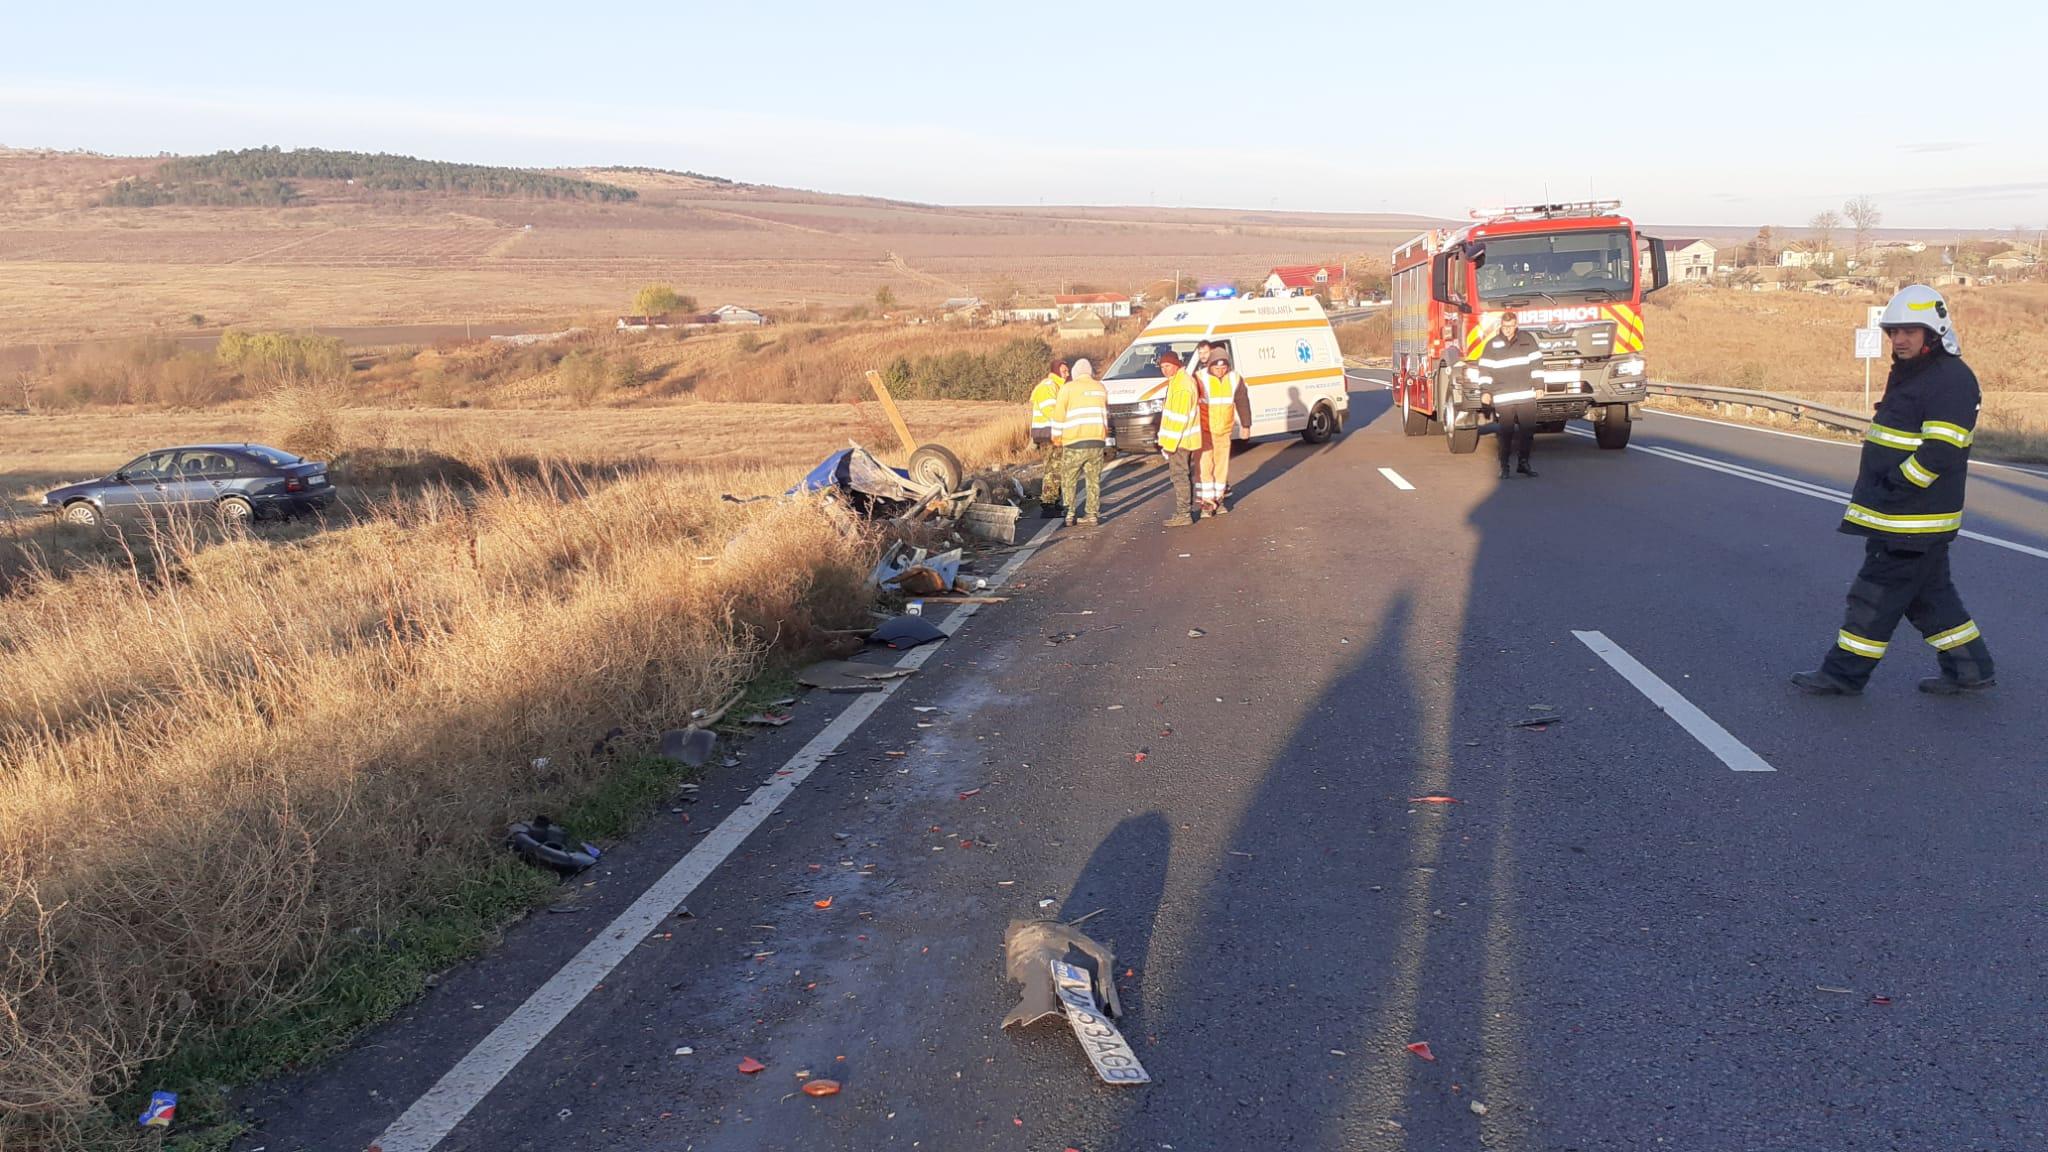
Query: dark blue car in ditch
[(237, 482)]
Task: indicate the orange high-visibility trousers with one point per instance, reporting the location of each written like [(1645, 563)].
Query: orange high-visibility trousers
[(1212, 464)]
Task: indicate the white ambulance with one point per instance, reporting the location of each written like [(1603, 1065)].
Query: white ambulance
[(1281, 346)]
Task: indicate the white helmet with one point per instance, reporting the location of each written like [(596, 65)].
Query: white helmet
[(1917, 305)]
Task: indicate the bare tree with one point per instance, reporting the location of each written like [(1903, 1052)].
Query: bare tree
[(1823, 225), (1863, 217)]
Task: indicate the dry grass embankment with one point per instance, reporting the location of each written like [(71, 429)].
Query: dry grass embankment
[(214, 784), (1799, 344), (253, 786)]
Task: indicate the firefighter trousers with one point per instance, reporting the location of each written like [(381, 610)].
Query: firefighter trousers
[(1055, 470), (1517, 431), (1893, 583)]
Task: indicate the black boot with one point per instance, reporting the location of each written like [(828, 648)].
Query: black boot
[(1524, 469), (1048, 511), (1504, 473), (1822, 684), (1943, 686)]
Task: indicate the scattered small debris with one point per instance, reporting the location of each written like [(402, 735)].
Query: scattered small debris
[(1421, 1048), (163, 1108), (1138, 757), (1539, 723), (849, 676), (768, 719), (1881, 1001), (751, 1066), (924, 708), (1838, 991), (546, 843), (822, 1088), (1115, 708), (540, 763), (1047, 903), (842, 835), (1542, 707), (1196, 633), (691, 746), (564, 1114), (686, 1051), (825, 903), (1246, 855), (1339, 1052), (1478, 1109), (1434, 800), (971, 792)]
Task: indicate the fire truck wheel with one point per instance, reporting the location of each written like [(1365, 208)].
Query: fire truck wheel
[(1613, 431), (1462, 440), (1413, 423)]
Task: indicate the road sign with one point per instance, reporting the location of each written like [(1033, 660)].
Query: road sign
[(1869, 343), (1876, 316)]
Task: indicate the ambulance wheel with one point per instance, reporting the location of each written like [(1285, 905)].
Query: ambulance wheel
[(1322, 424), (1413, 423), (935, 465), (1613, 431)]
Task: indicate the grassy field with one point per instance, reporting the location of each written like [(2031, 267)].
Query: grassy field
[(70, 270), (1798, 344)]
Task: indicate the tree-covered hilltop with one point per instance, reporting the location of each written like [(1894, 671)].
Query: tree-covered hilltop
[(263, 176)]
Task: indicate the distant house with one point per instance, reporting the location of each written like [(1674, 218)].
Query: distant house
[(1795, 258), (962, 304), (1305, 280), (643, 323), (734, 314), (2011, 261), (1689, 260), (1081, 324), (1036, 312), (1108, 305)]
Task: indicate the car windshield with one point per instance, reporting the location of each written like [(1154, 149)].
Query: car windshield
[(1141, 361), (1558, 264)]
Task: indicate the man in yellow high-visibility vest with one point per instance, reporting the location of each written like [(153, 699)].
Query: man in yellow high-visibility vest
[(1042, 398), (1080, 424), (1180, 436), (1219, 418)]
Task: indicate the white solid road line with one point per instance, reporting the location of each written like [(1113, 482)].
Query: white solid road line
[(456, 1094), (1803, 487), (1397, 480), (1716, 739), (1852, 444)]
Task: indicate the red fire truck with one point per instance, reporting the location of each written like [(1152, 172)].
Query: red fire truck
[(1575, 276)]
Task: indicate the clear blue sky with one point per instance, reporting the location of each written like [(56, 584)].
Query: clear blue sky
[(1732, 113)]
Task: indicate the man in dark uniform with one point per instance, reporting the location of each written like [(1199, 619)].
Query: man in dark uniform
[(1507, 365), (1908, 502)]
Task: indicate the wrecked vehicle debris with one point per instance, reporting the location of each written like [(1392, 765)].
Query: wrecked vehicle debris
[(906, 632), (1029, 948), (689, 746), (544, 842), (849, 676)]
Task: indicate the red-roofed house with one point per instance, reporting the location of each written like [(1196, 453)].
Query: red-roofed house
[(1108, 305), (1305, 280)]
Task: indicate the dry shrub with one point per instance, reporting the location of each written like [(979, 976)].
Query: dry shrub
[(1371, 336), (205, 781), (305, 415)]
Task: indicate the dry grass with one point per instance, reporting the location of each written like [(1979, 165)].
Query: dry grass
[(1798, 344), (202, 798)]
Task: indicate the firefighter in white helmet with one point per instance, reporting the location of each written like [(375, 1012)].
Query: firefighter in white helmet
[(1908, 503)]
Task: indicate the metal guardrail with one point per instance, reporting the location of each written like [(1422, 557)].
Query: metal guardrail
[(1821, 414)]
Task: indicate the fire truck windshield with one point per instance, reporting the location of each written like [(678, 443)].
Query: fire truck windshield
[(1597, 264)]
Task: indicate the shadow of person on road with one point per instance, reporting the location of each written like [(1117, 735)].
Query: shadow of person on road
[(1119, 891)]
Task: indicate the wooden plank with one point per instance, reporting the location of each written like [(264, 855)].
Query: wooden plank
[(889, 408)]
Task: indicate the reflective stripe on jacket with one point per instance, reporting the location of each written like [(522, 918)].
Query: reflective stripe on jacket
[(1042, 396), (1916, 454), (1507, 368), (1219, 402), (1080, 413), (1178, 427)]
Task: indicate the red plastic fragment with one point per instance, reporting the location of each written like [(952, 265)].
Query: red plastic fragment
[(1421, 1048)]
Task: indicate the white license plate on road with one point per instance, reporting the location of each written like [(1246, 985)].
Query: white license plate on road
[(1106, 1047)]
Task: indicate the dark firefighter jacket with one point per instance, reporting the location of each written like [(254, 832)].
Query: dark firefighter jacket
[(1507, 368), (1916, 455)]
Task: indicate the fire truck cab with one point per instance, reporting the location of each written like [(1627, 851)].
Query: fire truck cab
[(1575, 276)]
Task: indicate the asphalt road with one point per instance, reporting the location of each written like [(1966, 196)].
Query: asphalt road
[(1612, 940)]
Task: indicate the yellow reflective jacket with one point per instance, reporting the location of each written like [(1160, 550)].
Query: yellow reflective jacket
[(1179, 423), (1042, 397), (1080, 414)]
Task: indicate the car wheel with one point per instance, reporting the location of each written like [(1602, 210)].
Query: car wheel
[(82, 513), (1322, 424), (236, 512), (936, 466)]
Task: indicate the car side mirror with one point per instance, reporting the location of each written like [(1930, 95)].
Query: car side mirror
[(120, 476)]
